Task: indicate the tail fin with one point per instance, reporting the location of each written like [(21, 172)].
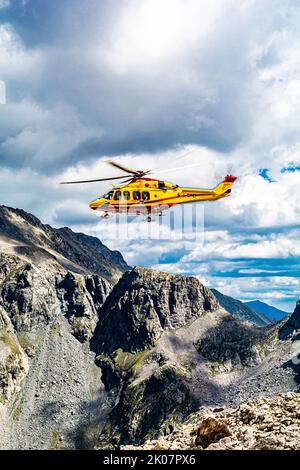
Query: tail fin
[(224, 187)]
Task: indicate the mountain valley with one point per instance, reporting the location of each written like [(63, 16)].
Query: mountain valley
[(95, 354)]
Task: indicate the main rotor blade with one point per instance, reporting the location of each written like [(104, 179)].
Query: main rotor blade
[(128, 181), (94, 181), (123, 168), (229, 168), (157, 170), (185, 154)]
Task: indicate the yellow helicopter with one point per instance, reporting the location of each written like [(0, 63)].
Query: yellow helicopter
[(143, 195)]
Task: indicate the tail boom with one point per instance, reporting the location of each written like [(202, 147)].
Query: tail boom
[(224, 189)]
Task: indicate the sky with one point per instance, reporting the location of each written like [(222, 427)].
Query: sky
[(210, 86)]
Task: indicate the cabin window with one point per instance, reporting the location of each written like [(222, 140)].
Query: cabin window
[(117, 195), (145, 195), (161, 185), (108, 195), (136, 195), (126, 195)]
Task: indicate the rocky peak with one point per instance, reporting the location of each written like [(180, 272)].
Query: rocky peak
[(292, 326), (25, 235), (143, 304), (35, 296), (81, 297)]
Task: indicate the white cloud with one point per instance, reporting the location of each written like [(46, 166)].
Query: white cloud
[(149, 32), (273, 290), (42, 136), (232, 246), (17, 64), (4, 3)]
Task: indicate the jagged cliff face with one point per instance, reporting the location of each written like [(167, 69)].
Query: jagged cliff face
[(291, 328), (49, 309), (144, 304), (13, 360), (35, 296), (24, 235), (173, 349), (44, 312), (88, 362), (149, 382)]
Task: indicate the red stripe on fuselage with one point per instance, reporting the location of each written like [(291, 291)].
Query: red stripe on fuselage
[(161, 200)]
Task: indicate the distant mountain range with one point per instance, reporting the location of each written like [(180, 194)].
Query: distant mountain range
[(265, 309), (241, 311), (256, 312)]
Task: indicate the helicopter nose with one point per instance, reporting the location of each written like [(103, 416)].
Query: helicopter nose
[(93, 205)]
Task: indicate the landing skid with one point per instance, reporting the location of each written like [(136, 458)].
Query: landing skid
[(149, 218), (106, 216), (159, 214)]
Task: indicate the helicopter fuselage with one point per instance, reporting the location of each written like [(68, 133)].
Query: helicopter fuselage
[(147, 195)]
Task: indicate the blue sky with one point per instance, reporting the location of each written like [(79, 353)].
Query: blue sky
[(145, 81)]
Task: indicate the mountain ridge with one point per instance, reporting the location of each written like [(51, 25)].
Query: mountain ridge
[(265, 309), (240, 310), (90, 362), (25, 235)]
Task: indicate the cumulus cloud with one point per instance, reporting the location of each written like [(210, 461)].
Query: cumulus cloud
[(4, 3), (147, 75), (146, 81)]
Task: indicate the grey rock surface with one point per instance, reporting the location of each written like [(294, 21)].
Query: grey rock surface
[(261, 424), (146, 302), (291, 327), (13, 360)]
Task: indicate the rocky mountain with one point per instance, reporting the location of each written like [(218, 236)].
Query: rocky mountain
[(265, 309), (144, 304), (291, 328), (91, 357), (53, 283), (268, 423), (241, 311), (159, 372), (24, 235)]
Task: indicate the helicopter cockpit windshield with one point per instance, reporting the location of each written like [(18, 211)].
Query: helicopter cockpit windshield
[(108, 195)]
